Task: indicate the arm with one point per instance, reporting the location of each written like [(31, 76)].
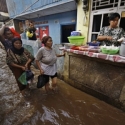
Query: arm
[(2, 30), (39, 66), (2, 38), (38, 58), (29, 55), (122, 35), (17, 66), (1, 34), (60, 55), (101, 38), (30, 58), (28, 63)]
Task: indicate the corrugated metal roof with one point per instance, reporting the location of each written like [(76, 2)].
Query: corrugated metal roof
[(3, 6)]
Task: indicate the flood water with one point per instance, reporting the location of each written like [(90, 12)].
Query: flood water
[(68, 107), (71, 107)]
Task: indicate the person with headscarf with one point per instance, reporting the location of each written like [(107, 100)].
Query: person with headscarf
[(6, 36), (46, 61), (18, 59)]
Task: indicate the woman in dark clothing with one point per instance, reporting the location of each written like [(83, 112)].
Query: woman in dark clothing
[(18, 59)]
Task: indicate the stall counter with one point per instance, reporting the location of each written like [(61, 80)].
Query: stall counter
[(98, 74)]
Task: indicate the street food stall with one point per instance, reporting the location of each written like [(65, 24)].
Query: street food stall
[(98, 73)]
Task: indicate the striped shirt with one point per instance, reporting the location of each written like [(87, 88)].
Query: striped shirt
[(47, 59)]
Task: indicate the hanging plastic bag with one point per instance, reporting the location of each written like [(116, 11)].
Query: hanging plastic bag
[(42, 80), (22, 79), (29, 75)]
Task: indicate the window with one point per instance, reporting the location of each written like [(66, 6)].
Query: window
[(99, 20), (102, 4), (99, 15)]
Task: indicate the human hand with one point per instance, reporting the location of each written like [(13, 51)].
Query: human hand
[(23, 68), (121, 39), (109, 38), (41, 72), (63, 54), (26, 66)]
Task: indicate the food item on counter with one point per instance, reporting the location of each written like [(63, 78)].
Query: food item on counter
[(83, 49), (75, 47), (94, 43), (96, 50), (109, 49), (86, 48)]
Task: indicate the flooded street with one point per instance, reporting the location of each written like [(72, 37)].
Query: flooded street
[(68, 107)]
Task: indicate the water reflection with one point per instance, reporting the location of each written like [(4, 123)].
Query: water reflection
[(68, 107), (71, 107), (49, 115)]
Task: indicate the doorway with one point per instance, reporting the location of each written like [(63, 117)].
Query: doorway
[(122, 21), (66, 31), (44, 31)]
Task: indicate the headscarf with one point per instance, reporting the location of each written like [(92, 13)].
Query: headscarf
[(14, 50)]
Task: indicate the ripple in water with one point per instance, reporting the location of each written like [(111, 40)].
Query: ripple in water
[(49, 115)]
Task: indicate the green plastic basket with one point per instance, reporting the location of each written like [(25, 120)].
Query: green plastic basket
[(109, 51), (77, 40)]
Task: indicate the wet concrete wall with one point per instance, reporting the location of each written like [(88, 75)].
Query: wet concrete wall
[(100, 78), (13, 108), (60, 60)]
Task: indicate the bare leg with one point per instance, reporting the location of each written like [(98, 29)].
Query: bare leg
[(54, 84), (47, 87)]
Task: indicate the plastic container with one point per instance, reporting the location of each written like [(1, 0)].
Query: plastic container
[(68, 45), (93, 44), (122, 49), (110, 51), (75, 33), (76, 40)]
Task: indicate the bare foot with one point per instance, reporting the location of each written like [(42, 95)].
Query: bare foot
[(55, 89)]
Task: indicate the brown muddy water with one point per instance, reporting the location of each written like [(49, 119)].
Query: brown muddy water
[(71, 107), (68, 107)]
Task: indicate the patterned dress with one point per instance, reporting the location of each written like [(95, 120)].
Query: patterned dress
[(116, 34), (20, 60)]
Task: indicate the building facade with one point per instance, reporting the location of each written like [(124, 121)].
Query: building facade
[(3, 12), (56, 18), (96, 16)]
